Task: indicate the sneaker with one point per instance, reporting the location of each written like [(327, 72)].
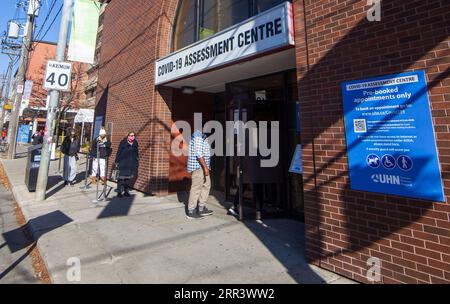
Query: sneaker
[(66, 183), (119, 195), (205, 212), (193, 216), (233, 211), (127, 194)]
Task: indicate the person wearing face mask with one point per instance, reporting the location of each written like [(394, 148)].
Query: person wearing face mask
[(103, 146), (127, 161), (70, 148)]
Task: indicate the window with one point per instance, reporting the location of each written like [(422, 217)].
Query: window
[(185, 27), (232, 12), (199, 19), (263, 5)]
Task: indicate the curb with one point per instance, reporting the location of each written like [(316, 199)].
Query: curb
[(28, 225)]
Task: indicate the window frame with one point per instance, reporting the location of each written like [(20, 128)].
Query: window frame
[(199, 6)]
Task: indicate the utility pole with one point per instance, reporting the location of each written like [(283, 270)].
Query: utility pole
[(6, 95), (3, 80), (26, 46), (54, 104), (2, 100)]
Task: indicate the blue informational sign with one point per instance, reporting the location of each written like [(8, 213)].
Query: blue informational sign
[(23, 135), (390, 136), (98, 123), (296, 162)]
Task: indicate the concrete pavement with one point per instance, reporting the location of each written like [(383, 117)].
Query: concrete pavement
[(146, 239), (15, 260)]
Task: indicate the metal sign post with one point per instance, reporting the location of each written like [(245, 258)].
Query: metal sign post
[(54, 102)]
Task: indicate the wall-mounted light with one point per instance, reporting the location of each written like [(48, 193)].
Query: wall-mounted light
[(187, 90)]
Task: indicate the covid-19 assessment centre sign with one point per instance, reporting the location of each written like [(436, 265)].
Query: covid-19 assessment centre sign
[(272, 29), (390, 136)]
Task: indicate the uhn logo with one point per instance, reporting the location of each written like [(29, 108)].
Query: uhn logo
[(386, 179)]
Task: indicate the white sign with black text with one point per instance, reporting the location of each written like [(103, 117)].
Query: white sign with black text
[(58, 76), (270, 30)]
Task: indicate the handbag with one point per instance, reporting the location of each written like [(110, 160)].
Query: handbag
[(115, 174)]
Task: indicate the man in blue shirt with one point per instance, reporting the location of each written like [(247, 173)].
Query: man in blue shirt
[(199, 165)]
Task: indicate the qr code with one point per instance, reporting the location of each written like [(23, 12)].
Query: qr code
[(359, 125)]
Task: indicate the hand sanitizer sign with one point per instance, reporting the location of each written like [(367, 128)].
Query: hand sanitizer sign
[(390, 136)]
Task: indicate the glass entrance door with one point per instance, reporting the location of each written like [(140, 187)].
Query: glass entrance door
[(260, 100)]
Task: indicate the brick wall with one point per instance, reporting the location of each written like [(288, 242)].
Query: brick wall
[(334, 43), (184, 107), (36, 69), (131, 42)]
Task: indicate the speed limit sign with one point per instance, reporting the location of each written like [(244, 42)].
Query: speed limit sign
[(58, 76)]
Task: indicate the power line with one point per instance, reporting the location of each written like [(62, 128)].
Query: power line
[(52, 5), (50, 26)]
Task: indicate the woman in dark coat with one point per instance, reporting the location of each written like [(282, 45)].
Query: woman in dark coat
[(127, 161)]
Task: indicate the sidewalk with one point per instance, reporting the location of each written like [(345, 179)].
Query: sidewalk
[(15, 259), (145, 239)]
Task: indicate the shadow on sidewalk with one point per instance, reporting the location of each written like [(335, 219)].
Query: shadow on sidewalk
[(117, 207), (283, 237), (17, 262), (58, 180), (17, 240)]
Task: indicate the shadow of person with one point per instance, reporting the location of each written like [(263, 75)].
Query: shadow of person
[(117, 207)]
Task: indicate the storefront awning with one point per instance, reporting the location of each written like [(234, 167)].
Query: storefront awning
[(84, 115), (214, 81)]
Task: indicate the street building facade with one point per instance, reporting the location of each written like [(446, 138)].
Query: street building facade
[(360, 94), (34, 104)]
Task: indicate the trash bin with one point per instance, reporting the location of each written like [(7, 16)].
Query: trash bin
[(33, 162)]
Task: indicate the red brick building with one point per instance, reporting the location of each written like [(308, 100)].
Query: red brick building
[(42, 52), (71, 101), (334, 42)]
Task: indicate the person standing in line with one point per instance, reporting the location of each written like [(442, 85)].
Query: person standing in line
[(4, 133), (103, 145), (41, 137), (127, 162), (199, 167), (35, 138), (70, 148)]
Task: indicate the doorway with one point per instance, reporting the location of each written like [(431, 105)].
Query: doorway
[(271, 191)]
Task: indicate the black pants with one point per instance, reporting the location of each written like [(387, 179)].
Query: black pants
[(123, 185)]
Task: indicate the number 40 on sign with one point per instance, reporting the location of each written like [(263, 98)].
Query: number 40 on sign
[(57, 76)]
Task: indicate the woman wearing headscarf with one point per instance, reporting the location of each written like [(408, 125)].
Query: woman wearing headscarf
[(127, 161)]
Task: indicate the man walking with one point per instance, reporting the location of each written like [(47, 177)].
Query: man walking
[(199, 166), (103, 146), (70, 148)]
